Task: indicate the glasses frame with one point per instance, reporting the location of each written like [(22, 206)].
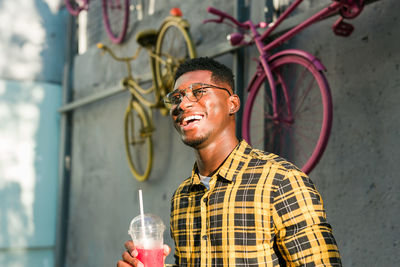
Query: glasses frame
[(183, 93)]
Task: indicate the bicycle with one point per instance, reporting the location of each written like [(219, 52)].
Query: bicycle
[(295, 117), (167, 48), (114, 12)]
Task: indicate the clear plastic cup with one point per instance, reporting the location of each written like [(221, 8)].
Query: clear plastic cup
[(148, 239)]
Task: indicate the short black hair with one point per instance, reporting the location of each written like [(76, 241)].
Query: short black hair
[(220, 72)]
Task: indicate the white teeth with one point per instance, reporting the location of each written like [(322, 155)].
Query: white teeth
[(193, 117)]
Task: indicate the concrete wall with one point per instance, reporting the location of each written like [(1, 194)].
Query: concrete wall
[(31, 62), (355, 176)]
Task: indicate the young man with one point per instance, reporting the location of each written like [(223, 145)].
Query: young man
[(241, 206)]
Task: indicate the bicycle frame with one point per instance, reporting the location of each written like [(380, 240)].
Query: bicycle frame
[(258, 38), (346, 8), (333, 8), (163, 63), (106, 5), (129, 81), (146, 41), (75, 12), (324, 13)]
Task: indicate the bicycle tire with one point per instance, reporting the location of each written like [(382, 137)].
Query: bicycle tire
[(74, 7), (174, 45), (138, 141), (116, 12), (283, 136)]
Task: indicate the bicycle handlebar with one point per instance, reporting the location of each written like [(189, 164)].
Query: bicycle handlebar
[(113, 55), (222, 15)]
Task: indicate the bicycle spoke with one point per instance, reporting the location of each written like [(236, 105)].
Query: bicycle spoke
[(296, 131), (305, 94), (173, 47), (138, 143)]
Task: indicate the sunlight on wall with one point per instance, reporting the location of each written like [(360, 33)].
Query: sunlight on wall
[(32, 44), (82, 32), (54, 5), (19, 120), (22, 40), (23, 37)]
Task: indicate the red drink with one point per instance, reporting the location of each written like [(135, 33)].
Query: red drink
[(151, 257)]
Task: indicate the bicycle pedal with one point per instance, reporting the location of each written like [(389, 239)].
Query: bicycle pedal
[(342, 28)]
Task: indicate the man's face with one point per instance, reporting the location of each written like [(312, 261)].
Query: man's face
[(205, 121)]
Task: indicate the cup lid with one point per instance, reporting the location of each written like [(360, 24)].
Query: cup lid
[(152, 223)]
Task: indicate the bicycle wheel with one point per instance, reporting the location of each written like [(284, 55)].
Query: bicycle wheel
[(301, 129), (138, 141), (116, 19), (76, 6), (174, 45)]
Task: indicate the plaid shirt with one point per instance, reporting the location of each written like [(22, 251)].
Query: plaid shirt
[(260, 211)]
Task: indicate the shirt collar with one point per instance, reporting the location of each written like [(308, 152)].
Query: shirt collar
[(230, 168)]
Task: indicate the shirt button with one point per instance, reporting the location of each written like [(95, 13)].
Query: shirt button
[(204, 237)]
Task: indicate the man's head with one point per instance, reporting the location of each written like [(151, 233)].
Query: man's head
[(203, 103), (220, 72)]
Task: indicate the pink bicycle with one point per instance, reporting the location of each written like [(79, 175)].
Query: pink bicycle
[(115, 16), (292, 116)]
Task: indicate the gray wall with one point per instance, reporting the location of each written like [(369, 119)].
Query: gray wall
[(355, 176)]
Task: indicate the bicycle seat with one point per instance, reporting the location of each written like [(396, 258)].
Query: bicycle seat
[(147, 38)]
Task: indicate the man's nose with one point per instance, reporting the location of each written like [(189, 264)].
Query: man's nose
[(185, 102), (183, 105)]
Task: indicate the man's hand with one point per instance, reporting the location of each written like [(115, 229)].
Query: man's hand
[(130, 254)]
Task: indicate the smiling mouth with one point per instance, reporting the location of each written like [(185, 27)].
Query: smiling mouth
[(190, 119)]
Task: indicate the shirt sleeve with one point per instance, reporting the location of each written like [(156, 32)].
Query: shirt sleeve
[(303, 234)]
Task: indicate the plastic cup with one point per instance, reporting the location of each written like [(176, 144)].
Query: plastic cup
[(147, 235)]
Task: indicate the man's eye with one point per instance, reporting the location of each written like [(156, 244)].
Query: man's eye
[(175, 98), (198, 92)]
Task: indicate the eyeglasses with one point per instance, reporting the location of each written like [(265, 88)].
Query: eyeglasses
[(193, 93)]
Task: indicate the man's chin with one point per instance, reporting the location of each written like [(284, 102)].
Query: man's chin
[(194, 142)]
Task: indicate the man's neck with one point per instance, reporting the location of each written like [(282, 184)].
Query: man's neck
[(210, 157)]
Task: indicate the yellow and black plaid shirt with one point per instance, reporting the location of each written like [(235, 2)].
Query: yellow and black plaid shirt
[(260, 211)]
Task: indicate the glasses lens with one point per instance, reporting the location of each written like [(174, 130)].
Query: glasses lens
[(196, 92), (174, 98)]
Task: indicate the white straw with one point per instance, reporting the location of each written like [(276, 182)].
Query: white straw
[(141, 210)]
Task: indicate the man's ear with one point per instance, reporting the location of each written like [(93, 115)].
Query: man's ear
[(234, 104)]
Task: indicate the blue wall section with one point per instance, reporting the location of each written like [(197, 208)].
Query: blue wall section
[(32, 55), (36, 258), (29, 133)]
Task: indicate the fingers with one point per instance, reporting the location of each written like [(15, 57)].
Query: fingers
[(123, 264), (129, 260), (129, 256), (167, 250), (130, 247)]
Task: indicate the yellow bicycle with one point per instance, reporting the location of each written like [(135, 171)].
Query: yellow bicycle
[(167, 48)]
